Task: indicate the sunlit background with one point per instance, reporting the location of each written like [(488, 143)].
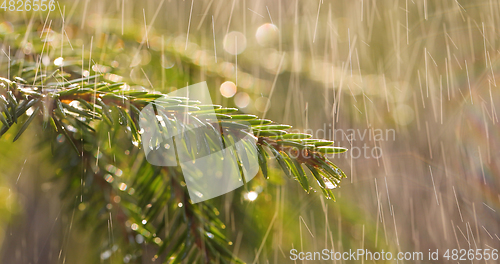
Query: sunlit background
[(410, 87)]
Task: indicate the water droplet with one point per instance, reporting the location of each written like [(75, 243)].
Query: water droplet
[(109, 178), (59, 61), (329, 184), (6, 28), (251, 196), (106, 254), (60, 138), (167, 61), (71, 128), (180, 204), (100, 68), (46, 60), (139, 239), (122, 186), (29, 112), (210, 235), (154, 143), (110, 168)]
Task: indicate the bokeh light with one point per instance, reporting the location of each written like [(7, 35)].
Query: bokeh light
[(242, 99), (262, 104), (251, 196), (403, 114), (267, 34), (228, 89), (6, 28), (235, 42), (59, 61)]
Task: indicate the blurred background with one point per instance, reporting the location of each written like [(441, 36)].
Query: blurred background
[(410, 87)]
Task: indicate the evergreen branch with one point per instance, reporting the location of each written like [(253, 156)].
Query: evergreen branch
[(87, 112)]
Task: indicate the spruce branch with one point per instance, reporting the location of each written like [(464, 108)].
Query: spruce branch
[(92, 126)]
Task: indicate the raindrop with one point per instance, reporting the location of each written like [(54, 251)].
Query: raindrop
[(6, 28), (106, 254), (329, 185), (46, 60), (122, 186), (110, 168), (71, 128), (28, 48), (251, 196), (139, 239), (109, 178), (29, 112), (59, 61), (167, 61), (154, 143)]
